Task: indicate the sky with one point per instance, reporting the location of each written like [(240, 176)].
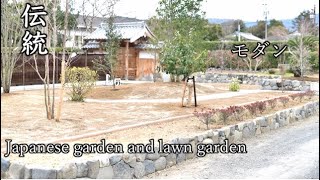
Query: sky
[(247, 10)]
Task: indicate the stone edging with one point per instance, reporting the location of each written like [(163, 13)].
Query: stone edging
[(128, 166), (266, 82)]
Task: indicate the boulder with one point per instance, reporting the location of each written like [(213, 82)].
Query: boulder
[(139, 170), (149, 167), (16, 170), (114, 159), (93, 168), (121, 170), (140, 157), (68, 171), (160, 163), (105, 173), (171, 160), (41, 173), (82, 169), (181, 157)]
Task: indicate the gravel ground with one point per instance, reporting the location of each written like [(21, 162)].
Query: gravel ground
[(292, 152)]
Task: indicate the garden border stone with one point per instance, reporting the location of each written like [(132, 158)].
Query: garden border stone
[(139, 165), (266, 82)]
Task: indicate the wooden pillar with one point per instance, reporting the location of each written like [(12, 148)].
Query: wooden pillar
[(127, 60)]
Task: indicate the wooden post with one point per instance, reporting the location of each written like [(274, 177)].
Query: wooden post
[(127, 60), (194, 93), (190, 91), (184, 91)]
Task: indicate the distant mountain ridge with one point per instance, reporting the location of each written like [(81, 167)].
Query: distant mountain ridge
[(286, 22)]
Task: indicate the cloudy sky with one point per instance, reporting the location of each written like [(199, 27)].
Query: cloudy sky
[(248, 10)]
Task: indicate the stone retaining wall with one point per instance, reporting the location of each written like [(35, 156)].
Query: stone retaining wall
[(266, 82), (138, 165)]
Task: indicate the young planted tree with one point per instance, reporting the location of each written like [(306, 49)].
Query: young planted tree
[(300, 48), (11, 35), (51, 30), (179, 56), (184, 28), (63, 63), (109, 63)]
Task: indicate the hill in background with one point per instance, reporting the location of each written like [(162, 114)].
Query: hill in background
[(286, 22)]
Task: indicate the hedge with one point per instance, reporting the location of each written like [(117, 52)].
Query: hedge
[(314, 60), (269, 61), (251, 45)]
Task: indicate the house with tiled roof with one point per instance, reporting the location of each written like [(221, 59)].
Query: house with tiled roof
[(86, 25), (137, 56)]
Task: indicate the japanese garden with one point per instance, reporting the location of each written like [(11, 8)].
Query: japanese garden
[(84, 90)]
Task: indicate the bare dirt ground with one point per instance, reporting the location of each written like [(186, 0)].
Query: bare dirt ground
[(158, 90), (23, 115)]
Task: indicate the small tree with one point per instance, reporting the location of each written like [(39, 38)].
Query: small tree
[(11, 35), (109, 63), (80, 81), (206, 116), (300, 46), (182, 30), (179, 56), (250, 62)]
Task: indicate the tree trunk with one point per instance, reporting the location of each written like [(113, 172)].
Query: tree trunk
[(54, 34), (63, 64), (6, 79), (113, 83), (47, 75)]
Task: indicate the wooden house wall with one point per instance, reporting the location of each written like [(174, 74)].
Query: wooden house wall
[(132, 64), (145, 67), (138, 68)]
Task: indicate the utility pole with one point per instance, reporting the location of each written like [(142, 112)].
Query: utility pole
[(314, 13), (313, 19), (238, 30), (265, 13)]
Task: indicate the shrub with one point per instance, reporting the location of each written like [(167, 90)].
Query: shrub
[(272, 103), (294, 96), (252, 108), (206, 116), (225, 113), (237, 112), (271, 71), (289, 71), (309, 94), (284, 101), (261, 106), (314, 60), (80, 81), (300, 96), (234, 85)]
